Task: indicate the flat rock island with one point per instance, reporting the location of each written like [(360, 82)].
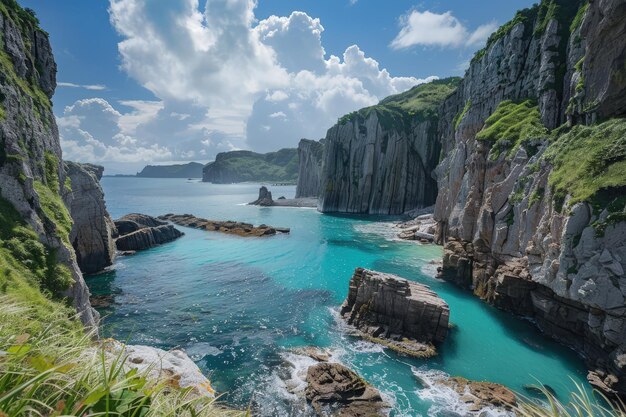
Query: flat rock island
[(404, 316), (228, 226)]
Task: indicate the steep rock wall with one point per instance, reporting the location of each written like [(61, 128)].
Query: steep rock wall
[(32, 178), (93, 228), (310, 154), (511, 232)]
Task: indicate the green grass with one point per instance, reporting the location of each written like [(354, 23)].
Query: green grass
[(510, 126), (53, 368), (55, 210), (578, 19), (417, 104), (589, 161)]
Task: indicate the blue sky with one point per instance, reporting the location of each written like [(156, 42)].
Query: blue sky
[(149, 81)]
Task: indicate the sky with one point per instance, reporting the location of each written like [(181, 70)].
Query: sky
[(167, 81)]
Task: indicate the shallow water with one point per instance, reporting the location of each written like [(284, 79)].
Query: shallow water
[(237, 305)]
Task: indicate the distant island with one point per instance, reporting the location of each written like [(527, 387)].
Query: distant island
[(242, 166), (190, 170)]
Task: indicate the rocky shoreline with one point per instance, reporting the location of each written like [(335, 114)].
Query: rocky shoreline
[(136, 232), (228, 227)]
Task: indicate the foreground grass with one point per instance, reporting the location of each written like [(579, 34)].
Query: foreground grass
[(580, 404), (58, 371)]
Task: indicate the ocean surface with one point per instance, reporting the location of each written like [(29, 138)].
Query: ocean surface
[(238, 306)]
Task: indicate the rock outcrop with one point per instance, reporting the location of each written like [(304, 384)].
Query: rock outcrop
[(310, 153), (265, 198), (93, 230), (229, 227), (531, 223), (32, 178), (421, 228), (405, 316), (336, 390), (478, 395), (140, 231), (380, 159)]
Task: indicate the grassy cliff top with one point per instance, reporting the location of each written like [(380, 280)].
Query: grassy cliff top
[(419, 103), (242, 166)]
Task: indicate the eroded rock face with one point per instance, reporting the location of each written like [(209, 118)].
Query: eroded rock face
[(405, 316), (310, 155), (505, 237), (93, 230), (336, 390), (30, 152), (370, 168), (139, 232)]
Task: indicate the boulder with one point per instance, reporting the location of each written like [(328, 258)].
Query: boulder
[(405, 316), (333, 389)]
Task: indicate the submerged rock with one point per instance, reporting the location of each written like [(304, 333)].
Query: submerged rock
[(333, 389), (140, 231), (230, 227), (405, 316)]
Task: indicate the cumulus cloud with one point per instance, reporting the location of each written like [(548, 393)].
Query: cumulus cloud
[(223, 81), (96, 87), (432, 29)]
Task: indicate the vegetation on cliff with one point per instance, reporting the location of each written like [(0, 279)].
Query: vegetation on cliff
[(512, 125), (243, 166), (417, 104), (589, 162)]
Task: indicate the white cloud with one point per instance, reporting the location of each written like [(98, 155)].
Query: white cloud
[(95, 87), (223, 81), (432, 29)]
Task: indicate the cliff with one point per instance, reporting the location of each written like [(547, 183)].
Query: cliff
[(190, 170), (243, 166), (92, 231), (531, 202), (379, 160), (35, 225), (310, 155)]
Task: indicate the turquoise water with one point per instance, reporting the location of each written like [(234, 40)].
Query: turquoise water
[(237, 305)]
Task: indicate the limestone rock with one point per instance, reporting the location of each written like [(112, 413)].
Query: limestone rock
[(140, 231), (405, 316), (30, 151), (93, 230), (336, 390), (310, 154)]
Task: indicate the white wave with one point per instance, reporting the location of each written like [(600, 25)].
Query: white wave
[(198, 351), (445, 400), (387, 230)]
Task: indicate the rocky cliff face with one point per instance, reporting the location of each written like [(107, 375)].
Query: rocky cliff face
[(310, 155), (32, 178), (379, 160), (532, 217), (93, 229)]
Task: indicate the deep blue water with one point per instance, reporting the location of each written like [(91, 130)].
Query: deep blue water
[(237, 305)]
